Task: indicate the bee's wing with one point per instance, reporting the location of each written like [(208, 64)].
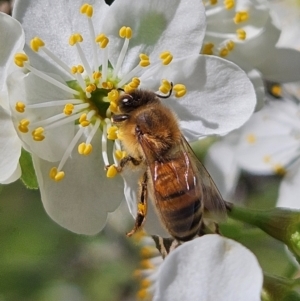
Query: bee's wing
[(191, 178), (211, 197)]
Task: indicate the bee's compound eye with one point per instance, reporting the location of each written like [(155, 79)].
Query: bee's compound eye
[(125, 100)]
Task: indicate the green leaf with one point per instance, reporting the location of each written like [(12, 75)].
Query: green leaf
[(28, 174)]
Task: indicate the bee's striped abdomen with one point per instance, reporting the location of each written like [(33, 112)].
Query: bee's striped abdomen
[(178, 198)]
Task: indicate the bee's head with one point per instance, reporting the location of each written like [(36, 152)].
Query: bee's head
[(131, 101)]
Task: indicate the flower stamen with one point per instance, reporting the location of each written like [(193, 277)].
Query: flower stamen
[(75, 39), (126, 34), (36, 44)]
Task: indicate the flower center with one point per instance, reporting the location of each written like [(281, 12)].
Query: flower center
[(93, 89)]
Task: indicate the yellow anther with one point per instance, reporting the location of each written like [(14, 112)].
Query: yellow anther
[(113, 95), (38, 134), (147, 264), (229, 4), (143, 295), (165, 86), (145, 283), (148, 252), (111, 171), (166, 57), (20, 59), (83, 121), (56, 175), (251, 138), (125, 32), (276, 90), (213, 2), (90, 88), (128, 88), (80, 69), (279, 169), (208, 48), (241, 34), (223, 52), (85, 149), (230, 45), (77, 69), (112, 133), (87, 9), (96, 75), (36, 43), (180, 90), (102, 40), (113, 107), (144, 60), (23, 125), (20, 107), (241, 16), (74, 70), (108, 85), (120, 154), (68, 109), (75, 38), (135, 82)]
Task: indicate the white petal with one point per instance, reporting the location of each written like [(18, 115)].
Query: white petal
[(222, 165), (269, 139), (157, 26), (12, 40), (210, 268), (32, 90), (289, 189), (14, 176), (10, 149), (219, 99), (54, 22), (82, 200)]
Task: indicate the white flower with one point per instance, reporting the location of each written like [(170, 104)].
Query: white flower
[(243, 32), (11, 41), (209, 268), (269, 143), (286, 13), (63, 95)]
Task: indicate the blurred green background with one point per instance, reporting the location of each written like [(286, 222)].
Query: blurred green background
[(41, 261)]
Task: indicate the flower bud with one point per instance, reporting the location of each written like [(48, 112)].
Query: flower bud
[(278, 288), (281, 223)]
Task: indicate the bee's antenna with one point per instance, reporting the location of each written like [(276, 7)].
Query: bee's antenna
[(166, 96), (120, 89)]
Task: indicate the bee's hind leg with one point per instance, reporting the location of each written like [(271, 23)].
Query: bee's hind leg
[(142, 205)]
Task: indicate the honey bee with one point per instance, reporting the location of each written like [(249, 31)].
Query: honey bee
[(177, 182)]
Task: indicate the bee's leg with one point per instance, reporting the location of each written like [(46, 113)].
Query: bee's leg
[(128, 159), (142, 205), (125, 161)]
